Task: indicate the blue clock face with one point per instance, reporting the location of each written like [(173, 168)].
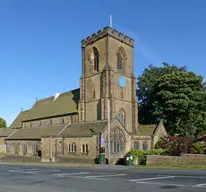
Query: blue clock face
[(122, 82)]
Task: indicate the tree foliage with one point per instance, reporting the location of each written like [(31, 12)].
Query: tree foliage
[(2, 123), (176, 146), (174, 95)]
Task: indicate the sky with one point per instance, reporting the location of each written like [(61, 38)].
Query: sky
[(40, 42)]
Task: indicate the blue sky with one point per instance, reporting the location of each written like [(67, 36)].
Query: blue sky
[(40, 50)]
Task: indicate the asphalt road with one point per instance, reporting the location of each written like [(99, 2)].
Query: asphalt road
[(100, 179)]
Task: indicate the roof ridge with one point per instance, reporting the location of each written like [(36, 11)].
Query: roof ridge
[(59, 95)]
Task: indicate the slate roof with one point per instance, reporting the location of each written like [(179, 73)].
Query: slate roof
[(17, 123), (35, 133), (5, 132), (147, 130), (84, 129), (66, 103)]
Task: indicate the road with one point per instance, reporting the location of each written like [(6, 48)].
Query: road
[(24, 178)]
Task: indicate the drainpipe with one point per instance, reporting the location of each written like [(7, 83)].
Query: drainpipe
[(51, 147)]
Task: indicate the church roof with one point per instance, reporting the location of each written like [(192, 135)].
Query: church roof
[(147, 130), (5, 132), (84, 129), (17, 123), (35, 132), (61, 104)]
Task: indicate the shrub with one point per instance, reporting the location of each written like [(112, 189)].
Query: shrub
[(175, 146), (198, 148), (141, 155)]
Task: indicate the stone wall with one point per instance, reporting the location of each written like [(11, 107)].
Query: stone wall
[(22, 159), (61, 152), (79, 142), (16, 147), (186, 159), (70, 159)]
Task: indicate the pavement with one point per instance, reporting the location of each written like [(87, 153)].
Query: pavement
[(27, 178)]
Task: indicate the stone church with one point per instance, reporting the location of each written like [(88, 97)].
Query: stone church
[(74, 125)]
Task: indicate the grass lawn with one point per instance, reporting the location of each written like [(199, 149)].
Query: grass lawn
[(171, 166), (50, 164)]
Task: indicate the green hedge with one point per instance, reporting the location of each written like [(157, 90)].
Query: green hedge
[(141, 155)]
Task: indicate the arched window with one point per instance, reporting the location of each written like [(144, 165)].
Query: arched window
[(73, 147), (136, 145), (69, 148), (119, 61), (96, 59), (121, 57), (87, 148), (145, 146), (24, 149), (83, 148), (117, 141), (121, 117), (35, 149)]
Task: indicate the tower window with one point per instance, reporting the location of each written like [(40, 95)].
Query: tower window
[(96, 59), (119, 61)]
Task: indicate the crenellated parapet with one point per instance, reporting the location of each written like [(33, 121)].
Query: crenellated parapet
[(107, 31)]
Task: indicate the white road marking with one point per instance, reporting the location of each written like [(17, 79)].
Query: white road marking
[(153, 178), (96, 176), (33, 171), (15, 188), (70, 174), (166, 184), (184, 176), (200, 185), (82, 177)]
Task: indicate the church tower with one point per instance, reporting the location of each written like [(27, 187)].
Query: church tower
[(108, 73)]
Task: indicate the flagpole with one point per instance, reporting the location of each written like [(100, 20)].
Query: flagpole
[(110, 21)]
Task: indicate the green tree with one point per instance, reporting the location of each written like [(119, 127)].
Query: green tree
[(2, 123), (175, 96), (146, 90)]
